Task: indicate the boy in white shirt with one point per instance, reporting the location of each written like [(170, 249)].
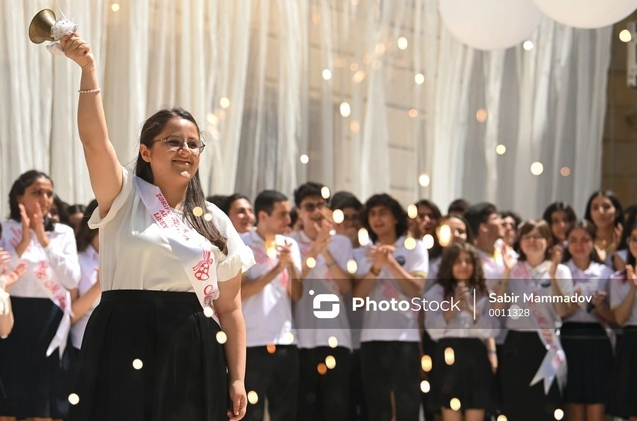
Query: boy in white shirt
[(267, 292)]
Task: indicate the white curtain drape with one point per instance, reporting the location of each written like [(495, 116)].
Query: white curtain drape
[(266, 80)]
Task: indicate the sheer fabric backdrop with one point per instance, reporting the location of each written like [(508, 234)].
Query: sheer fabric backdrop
[(268, 79)]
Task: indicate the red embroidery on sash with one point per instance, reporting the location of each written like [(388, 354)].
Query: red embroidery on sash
[(202, 269)]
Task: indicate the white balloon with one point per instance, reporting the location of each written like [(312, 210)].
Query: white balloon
[(490, 24), (587, 13)]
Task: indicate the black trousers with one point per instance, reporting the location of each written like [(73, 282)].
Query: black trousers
[(357, 405), (324, 392), (274, 376), (391, 366)]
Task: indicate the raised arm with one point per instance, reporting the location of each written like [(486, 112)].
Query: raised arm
[(104, 169)]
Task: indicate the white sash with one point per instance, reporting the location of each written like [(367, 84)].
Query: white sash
[(192, 249), (56, 292), (554, 364)]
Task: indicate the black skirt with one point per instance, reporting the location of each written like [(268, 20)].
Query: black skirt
[(589, 355), (469, 379), (150, 356), (624, 388), (35, 385), (522, 355)]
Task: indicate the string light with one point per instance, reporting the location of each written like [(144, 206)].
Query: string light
[(428, 241), (310, 262), (409, 243), (450, 356), (208, 217), (222, 337), (352, 266), (74, 399), (253, 398), (345, 109), (137, 364), (481, 115), (224, 102), (426, 363), (288, 338), (424, 180), (455, 404), (537, 168), (338, 216), (197, 211), (304, 159), (363, 237), (330, 362), (425, 386), (271, 348), (332, 342), (444, 235), (115, 7), (358, 76), (208, 312), (413, 113), (402, 43), (565, 171), (212, 119), (412, 211), (419, 78), (500, 149), (354, 126), (528, 45), (327, 74), (321, 368), (625, 36), (325, 192), (559, 414), (502, 418)]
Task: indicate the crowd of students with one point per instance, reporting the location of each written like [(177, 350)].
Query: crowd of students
[(527, 360)]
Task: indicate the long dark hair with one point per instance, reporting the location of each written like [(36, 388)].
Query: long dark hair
[(18, 189), (194, 193), (445, 274), (592, 231), (619, 211), (555, 207), (85, 235)]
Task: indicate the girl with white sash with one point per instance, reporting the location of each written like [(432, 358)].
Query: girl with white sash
[(623, 301), (533, 365), (87, 295), (462, 332), (170, 269), (36, 359), (584, 337)]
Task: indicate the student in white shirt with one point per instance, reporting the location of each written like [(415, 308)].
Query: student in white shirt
[(510, 222), (605, 211), (532, 350), (323, 396), (623, 302), (392, 268), (560, 216), (8, 278), (87, 295), (36, 359), (170, 269), (268, 290), (462, 332), (620, 256), (588, 348), (352, 208)]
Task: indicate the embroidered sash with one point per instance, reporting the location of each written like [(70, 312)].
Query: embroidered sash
[(554, 364), (46, 280), (191, 248)]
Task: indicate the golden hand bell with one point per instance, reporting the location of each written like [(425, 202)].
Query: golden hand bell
[(40, 27)]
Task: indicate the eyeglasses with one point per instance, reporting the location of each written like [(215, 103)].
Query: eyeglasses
[(311, 207), (174, 144)]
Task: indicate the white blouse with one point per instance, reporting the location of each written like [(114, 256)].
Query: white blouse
[(587, 283), (619, 290), (463, 324), (89, 262), (135, 253), (60, 255)]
